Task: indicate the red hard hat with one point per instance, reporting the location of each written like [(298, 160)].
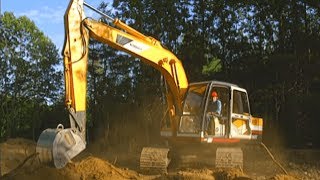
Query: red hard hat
[(214, 94)]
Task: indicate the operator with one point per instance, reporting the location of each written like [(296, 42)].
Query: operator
[(213, 110)]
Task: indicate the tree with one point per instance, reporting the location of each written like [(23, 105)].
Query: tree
[(270, 48), (30, 78)]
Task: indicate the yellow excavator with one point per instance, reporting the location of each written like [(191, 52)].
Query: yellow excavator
[(187, 104)]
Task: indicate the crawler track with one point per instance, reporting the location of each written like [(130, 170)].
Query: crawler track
[(154, 160)]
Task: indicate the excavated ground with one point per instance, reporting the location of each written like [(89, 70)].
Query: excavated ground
[(18, 161)]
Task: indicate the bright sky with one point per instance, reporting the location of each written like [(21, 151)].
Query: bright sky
[(47, 14)]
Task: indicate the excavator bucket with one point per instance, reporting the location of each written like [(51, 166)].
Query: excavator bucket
[(229, 157), (59, 145)]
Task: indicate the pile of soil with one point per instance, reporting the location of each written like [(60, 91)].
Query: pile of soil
[(95, 168), (206, 173), (19, 161), (13, 152), (89, 168)]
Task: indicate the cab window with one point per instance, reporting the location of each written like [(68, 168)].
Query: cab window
[(240, 102), (194, 100)]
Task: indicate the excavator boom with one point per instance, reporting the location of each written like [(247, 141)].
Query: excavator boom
[(78, 30), (148, 49)]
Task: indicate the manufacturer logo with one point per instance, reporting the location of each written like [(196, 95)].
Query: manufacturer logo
[(131, 45)]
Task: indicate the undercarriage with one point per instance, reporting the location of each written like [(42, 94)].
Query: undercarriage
[(193, 155)]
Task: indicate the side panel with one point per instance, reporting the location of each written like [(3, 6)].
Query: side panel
[(256, 127)]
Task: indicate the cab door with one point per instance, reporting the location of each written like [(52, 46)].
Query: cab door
[(191, 118), (240, 114)]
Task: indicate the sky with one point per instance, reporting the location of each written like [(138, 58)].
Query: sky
[(46, 14)]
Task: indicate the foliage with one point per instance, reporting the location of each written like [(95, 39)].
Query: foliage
[(213, 66), (29, 78), (270, 48)]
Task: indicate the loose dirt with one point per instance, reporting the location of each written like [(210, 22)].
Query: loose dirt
[(114, 163)]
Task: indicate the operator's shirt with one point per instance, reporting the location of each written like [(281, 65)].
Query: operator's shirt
[(214, 106)]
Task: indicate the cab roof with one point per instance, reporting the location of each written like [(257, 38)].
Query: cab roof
[(215, 82)]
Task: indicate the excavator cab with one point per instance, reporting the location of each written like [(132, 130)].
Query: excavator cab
[(225, 131), (234, 121)]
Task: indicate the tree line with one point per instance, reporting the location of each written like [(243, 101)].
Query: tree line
[(270, 48)]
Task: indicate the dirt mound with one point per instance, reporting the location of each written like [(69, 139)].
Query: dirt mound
[(189, 174), (95, 168), (230, 174), (283, 177), (89, 168), (19, 161), (13, 152), (209, 174)]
